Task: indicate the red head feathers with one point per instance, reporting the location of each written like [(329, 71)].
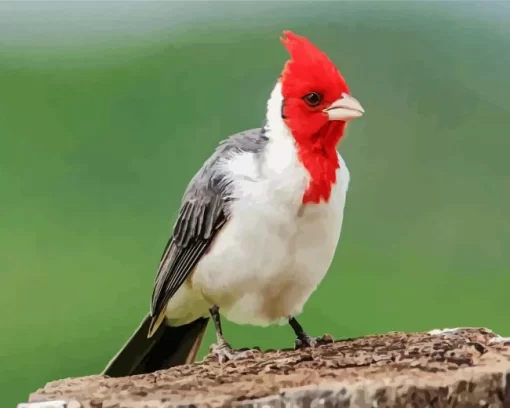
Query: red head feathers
[(316, 106), (310, 69)]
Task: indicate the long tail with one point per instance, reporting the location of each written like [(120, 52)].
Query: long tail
[(167, 347)]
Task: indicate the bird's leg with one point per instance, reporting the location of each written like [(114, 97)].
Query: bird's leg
[(222, 350), (215, 314), (303, 339)]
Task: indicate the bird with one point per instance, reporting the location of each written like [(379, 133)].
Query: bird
[(258, 225)]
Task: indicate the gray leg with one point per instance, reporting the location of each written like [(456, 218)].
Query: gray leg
[(215, 314), (222, 350), (303, 339)]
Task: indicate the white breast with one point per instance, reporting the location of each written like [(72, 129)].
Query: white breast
[(273, 252)]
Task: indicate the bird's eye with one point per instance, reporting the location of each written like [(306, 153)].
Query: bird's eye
[(313, 99)]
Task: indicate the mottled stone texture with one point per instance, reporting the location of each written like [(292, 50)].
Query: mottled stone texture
[(444, 368)]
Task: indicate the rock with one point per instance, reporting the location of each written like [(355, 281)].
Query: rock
[(463, 367)]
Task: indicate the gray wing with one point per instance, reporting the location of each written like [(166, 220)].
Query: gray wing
[(203, 212)]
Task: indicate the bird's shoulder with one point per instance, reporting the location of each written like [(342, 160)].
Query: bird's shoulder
[(207, 195), (252, 141)]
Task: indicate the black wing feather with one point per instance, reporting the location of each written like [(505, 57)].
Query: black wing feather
[(203, 212), (184, 251)]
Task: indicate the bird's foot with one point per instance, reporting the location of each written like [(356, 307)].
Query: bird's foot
[(305, 340), (224, 352)]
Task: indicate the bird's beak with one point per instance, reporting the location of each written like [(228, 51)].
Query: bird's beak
[(345, 108)]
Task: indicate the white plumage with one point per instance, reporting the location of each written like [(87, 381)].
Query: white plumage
[(274, 251)]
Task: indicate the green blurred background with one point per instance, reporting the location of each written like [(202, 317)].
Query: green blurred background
[(107, 109)]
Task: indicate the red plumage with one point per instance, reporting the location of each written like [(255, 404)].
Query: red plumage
[(310, 70)]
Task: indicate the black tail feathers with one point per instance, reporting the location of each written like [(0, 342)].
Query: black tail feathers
[(168, 347)]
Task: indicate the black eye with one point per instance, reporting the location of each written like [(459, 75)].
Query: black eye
[(313, 99)]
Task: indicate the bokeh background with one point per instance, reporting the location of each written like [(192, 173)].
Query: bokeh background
[(107, 109)]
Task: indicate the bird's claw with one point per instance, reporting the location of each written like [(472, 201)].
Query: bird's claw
[(224, 352), (313, 342)]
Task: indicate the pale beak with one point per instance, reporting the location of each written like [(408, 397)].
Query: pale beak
[(345, 108)]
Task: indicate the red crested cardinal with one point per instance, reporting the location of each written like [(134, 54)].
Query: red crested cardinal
[(258, 225)]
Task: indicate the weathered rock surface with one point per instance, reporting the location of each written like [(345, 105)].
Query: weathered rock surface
[(443, 368)]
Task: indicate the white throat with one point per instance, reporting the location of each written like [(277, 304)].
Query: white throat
[(276, 127)]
